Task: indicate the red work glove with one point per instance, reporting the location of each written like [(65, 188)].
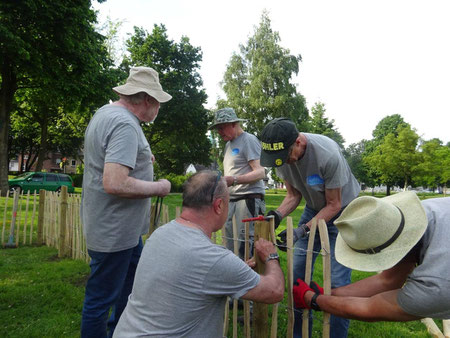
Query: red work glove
[(316, 287), (299, 290)]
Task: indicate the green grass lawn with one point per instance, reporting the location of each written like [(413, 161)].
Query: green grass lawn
[(42, 295)]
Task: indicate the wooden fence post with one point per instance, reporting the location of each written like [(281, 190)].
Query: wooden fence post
[(11, 243), (246, 302), (260, 310), (326, 268), (309, 254), (41, 215), (62, 249), (290, 275), (236, 252), (274, 328)]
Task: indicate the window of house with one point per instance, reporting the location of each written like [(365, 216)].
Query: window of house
[(73, 163)]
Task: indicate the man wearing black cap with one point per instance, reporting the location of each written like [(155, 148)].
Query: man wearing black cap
[(312, 167)]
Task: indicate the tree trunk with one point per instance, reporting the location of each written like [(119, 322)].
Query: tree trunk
[(388, 190), (42, 154), (7, 90)]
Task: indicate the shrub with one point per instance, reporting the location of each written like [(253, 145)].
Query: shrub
[(177, 181)]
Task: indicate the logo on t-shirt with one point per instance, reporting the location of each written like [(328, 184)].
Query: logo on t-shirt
[(314, 180), (235, 151)]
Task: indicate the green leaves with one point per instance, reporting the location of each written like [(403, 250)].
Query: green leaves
[(257, 81)]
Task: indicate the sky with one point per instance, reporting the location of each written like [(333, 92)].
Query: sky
[(363, 59)]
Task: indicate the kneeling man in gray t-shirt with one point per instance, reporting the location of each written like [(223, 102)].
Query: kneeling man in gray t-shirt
[(183, 279)]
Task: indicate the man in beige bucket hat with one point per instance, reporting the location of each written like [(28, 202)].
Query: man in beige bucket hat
[(405, 238), (117, 186)]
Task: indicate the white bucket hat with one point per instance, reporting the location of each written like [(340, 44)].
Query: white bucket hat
[(143, 79), (376, 233)]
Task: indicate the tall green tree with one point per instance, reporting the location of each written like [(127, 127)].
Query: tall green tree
[(320, 124), (354, 155), (257, 81), (178, 135), (51, 49), (396, 157)]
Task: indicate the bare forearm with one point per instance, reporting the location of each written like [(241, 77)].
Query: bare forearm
[(328, 212), (251, 177), (290, 202), (135, 188), (366, 287)]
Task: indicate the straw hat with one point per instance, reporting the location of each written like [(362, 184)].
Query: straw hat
[(376, 233), (143, 79)]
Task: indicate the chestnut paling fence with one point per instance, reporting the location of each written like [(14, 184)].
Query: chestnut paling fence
[(53, 219)]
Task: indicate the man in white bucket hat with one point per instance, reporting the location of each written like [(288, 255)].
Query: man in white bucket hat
[(405, 238), (117, 186)]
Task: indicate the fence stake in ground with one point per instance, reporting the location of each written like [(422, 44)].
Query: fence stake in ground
[(11, 243), (236, 252), (260, 311), (62, 252), (246, 302), (326, 264), (290, 275), (5, 211), (40, 235), (309, 254)]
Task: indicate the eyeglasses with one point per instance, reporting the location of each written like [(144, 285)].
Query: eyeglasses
[(219, 175)]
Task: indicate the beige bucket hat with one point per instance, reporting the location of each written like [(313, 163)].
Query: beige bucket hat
[(376, 233), (143, 79)]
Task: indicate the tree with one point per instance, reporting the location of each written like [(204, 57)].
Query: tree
[(433, 170), (429, 168), (354, 155), (178, 136), (319, 124), (396, 157), (257, 81), (52, 50)]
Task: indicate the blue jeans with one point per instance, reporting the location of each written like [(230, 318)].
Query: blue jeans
[(340, 275), (108, 286)]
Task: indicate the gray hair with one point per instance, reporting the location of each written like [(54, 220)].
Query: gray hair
[(134, 99), (198, 189)]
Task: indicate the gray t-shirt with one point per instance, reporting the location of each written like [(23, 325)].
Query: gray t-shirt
[(238, 152), (426, 292), (181, 285), (322, 167), (113, 223)]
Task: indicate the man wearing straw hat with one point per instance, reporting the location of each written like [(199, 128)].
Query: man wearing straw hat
[(408, 240), (314, 168), (117, 186), (183, 279), (243, 174)]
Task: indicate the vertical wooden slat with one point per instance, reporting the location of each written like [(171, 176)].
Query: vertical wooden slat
[(260, 311), (446, 327), (326, 264), (19, 214), (63, 206), (13, 220), (41, 215), (247, 331), (290, 275), (33, 217), (274, 327), (309, 254), (26, 219), (5, 212), (432, 328), (236, 252)]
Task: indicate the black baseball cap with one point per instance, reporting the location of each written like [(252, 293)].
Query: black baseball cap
[(276, 138)]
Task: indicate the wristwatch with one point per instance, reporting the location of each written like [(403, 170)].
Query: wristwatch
[(314, 304), (234, 180), (273, 256)]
